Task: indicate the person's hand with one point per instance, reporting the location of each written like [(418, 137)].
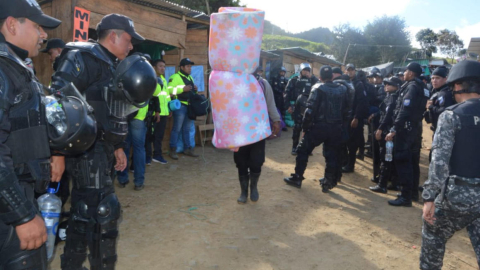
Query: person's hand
[(290, 110), (429, 103), (276, 128), (370, 118), (187, 88), (378, 134), (57, 164), (428, 212), (354, 123), (390, 136), (32, 234), (157, 117), (121, 159)]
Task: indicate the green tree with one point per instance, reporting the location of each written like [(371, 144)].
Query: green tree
[(389, 37), (273, 42), (449, 43), (347, 37), (428, 41)]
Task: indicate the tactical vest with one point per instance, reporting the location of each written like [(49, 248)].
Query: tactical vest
[(28, 140), (465, 152), (332, 103), (110, 128)]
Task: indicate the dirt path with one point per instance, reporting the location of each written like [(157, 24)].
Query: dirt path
[(187, 217)]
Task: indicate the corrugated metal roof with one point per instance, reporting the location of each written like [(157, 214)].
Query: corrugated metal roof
[(309, 55), (474, 48), (173, 8), (268, 54)]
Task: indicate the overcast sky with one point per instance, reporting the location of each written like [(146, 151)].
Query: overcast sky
[(295, 16)]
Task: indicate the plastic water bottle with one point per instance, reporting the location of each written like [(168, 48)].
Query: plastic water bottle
[(50, 206), (55, 114), (389, 154)]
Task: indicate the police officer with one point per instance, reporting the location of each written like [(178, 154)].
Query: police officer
[(451, 194), (279, 83), (441, 99), (327, 109), (408, 116), (109, 88), (24, 159), (373, 121), (359, 113), (298, 89), (392, 85), (400, 76), (54, 48)]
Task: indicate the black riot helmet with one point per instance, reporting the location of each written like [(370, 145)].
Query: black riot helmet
[(81, 128), (135, 80), (465, 71), (283, 69)]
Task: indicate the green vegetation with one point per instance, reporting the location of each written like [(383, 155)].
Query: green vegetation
[(272, 42)]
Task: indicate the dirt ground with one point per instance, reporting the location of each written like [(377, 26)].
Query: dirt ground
[(187, 217)]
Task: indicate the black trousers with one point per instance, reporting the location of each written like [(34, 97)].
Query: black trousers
[(331, 136), (297, 128), (403, 158), (355, 141), (280, 103), (250, 158), (11, 256), (156, 139)]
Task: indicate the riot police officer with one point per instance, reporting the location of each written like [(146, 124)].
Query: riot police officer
[(359, 113), (279, 84), (406, 129), (24, 159), (441, 99), (114, 89), (386, 168), (451, 194), (298, 89), (327, 109)]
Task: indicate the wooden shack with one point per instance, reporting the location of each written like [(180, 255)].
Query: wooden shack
[(291, 58), (176, 30)]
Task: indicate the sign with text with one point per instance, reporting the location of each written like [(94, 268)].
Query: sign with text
[(81, 21)]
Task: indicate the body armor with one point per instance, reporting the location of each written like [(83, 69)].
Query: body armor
[(30, 154), (465, 155)]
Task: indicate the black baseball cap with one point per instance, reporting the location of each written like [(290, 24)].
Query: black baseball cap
[(53, 43), (415, 68), (350, 65), (400, 74), (27, 9), (395, 81), (120, 22), (441, 71), (326, 72), (337, 70), (186, 61)]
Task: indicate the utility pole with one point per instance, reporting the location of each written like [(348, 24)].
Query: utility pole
[(346, 53), (208, 7)]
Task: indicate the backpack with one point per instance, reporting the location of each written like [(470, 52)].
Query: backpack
[(198, 105)]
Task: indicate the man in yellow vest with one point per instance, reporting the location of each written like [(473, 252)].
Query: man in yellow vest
[(160, 117), (181, 85), (136, 138)]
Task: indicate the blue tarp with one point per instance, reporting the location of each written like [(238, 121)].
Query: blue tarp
[(198, 77)]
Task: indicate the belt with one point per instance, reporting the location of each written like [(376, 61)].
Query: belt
[(460, 182)]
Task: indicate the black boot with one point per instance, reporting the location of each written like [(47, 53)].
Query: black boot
[(244, 186), (374, 179), (294, 151), (378, 189), (401, 201), (329, 182), (347, 169), (74, 262), (254, 196), (294, 180)]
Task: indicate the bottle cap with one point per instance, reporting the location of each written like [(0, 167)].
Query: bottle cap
[(51, 190)]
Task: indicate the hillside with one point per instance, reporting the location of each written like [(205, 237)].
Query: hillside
[(272, 42)]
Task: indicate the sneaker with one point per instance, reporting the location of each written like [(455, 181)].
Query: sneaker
[(189, 152), (138, 188), (160, 160)]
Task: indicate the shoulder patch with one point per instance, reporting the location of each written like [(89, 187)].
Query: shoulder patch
[(441, 100), (426, 92), (406, 102)]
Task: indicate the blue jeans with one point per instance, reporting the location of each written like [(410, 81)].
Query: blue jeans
[(181, 123), (136, 138)]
